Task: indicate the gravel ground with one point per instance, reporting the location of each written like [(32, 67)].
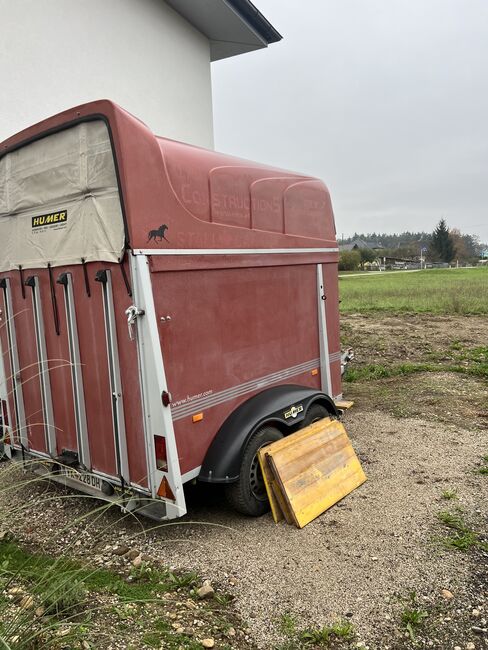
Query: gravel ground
[(360, 560)]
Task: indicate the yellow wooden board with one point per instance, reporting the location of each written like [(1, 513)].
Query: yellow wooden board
[(314, 468), (344, 404), (279, 507), (269, 482)]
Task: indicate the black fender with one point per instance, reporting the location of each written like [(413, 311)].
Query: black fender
[(281, 406)]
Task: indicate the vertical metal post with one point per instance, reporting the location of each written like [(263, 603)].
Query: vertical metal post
[(118, 417), (326, 383), (76, 375), (44, 381), (157, 418), (14, 365)]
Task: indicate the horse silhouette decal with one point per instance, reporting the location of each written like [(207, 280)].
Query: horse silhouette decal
[(158, 235)]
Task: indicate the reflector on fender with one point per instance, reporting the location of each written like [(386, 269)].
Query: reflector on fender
[(315, 371), (197, 417)]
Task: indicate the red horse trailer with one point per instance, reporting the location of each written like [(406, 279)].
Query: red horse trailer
[(165, 310)]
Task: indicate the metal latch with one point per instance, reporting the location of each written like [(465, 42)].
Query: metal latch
[(132, 313)]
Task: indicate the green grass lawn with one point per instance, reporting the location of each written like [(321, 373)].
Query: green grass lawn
[(442, 291)]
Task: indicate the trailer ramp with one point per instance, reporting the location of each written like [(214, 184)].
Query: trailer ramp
[(309, 471)]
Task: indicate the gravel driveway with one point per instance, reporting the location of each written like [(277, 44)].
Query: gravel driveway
[(360, 560)]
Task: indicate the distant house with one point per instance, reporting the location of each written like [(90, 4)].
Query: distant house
[(358, 243)]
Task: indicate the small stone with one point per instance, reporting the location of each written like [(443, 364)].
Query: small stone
[(137, 561), (17, 593), (40, 612), (173, 615), (122, 550), (15, 590), (457, 647), (85, 645), (180, 630), (374, 558), (475, 613), (208, 643), (78, 542), (206, 591), (64, 632), (231, 631), (479, 630), (470, 646), (27, 602), (446, 594), (132, 554)]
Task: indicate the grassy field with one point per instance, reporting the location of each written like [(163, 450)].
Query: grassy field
[(443, 291)]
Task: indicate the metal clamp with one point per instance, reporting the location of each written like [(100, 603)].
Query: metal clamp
[(132, 314)]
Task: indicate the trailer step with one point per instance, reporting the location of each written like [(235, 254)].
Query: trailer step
[(309, 471)]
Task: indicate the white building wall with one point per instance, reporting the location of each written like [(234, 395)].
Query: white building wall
[(55, 54)]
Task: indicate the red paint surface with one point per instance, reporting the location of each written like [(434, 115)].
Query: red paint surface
[(230, 326)]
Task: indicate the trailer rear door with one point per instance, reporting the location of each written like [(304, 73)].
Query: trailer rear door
[(62, 240)]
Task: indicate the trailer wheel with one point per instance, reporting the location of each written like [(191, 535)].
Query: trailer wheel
[(248, 494), (315, 413)]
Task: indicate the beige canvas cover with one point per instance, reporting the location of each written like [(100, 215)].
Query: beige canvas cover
[(59, 201)]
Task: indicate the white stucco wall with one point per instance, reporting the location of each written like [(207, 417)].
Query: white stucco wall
[(55, 54)]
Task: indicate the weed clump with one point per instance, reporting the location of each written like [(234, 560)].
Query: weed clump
[(483, 468), (413, 616), (449, 495), (323, 635), (341, 630), (463, 537)]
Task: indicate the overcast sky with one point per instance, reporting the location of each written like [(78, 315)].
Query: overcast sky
[(385, 100)]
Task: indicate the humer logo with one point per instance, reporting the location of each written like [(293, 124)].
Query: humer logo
[(50, 219)]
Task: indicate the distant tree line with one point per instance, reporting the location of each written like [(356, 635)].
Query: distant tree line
[(442, 245)]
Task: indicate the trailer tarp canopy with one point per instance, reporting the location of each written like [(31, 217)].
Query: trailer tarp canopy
[(59, 200)]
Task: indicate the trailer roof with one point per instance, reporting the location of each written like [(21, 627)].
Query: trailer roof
[(232, 26), (177, 196)]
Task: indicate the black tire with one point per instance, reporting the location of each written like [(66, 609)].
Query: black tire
[(248, 495), (315, 412)]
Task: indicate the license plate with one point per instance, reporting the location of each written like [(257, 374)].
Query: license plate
[(91, 480)]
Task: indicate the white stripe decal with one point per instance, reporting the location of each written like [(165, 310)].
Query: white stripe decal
[(219, 398), (183, 410), (236, 391), (231, 251)]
